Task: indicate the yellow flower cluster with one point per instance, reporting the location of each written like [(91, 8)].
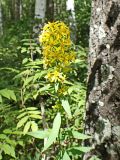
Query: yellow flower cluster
[(56, 46), (55, 76)]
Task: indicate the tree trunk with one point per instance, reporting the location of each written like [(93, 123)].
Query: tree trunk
[(70, 6), (17, 9), (103, 93), (40, 9), (50, 10)]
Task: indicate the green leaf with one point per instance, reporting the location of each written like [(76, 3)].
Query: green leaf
[(25, 60), (56, 87), (0, 155), (12, 95), (9, 150), (45, 88), (39, 134), (66, 156), (34, 126), (31, 108), (34, 112), (39, 75), (66, 107), (22, 115), (78, 135), (3, 136), (8, 94), (27, 127), (35, 116), (22, 121), (0, 98), (28, 80), (23, 50), (5, 93), (54, 133)]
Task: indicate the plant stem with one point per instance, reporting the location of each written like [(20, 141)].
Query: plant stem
[(44, 123)]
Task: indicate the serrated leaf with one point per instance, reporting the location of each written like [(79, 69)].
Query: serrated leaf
[(27, 127), (34, 112), (66, 156), (39, 134), (9, 150), (11, 142), (8, 94), (12, 95), (22, 122), (78, 135), (66, 107), (5, 93), (54, 133), (36, 116), (34, 126), (28, 80), (21, 115)]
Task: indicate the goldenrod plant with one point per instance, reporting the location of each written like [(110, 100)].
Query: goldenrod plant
[(47, 90)]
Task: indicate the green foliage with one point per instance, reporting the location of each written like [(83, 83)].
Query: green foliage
[(82, 12), (31, 86), (24, 92)]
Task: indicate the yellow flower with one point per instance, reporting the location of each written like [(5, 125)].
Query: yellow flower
[(55, 76), (56, 44)]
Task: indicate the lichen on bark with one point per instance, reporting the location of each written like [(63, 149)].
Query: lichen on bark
[(103, 101)]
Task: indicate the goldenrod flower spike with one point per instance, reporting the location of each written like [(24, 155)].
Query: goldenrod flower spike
[(56, 45)]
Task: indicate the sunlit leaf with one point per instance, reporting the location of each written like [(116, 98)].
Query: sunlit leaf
[(66, 107), (39, 134), (34, 126), (54, 133), (35, 116), (78, 135), (9, 150), (22, 115), (22, 121), (33, 112), (66, 156), (27, 127)]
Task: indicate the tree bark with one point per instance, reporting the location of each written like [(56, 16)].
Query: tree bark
[(17, 9), (103, 91), (40, 9), (70, 6), (50, 10)]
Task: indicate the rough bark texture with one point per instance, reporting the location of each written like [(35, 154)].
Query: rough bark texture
[(103, 95)]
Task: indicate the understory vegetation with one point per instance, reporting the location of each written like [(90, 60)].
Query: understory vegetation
[(43, 85)]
